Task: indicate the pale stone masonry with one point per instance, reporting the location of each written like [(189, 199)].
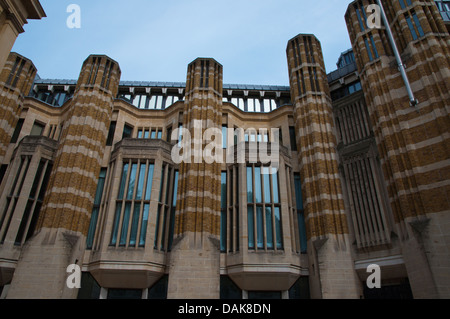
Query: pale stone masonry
[(88, 176)]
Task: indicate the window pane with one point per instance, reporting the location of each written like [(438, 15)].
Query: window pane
[(258, 194), (260, 227), (159, 135), (126, 220), (278, 228), (266, 178), (298, 191), (293, 138), (224, 136), (249, 185), (418, 25), (37, 129), (223, 213), (302, 230), (251, 105), (374, 47), (132, 182), (411, 28), (92, 226), (123, 181), (149, 182), (251, 227), (275, 194), (141, 181), (269, 230), (135, 224), (116, 223), (144, 225), (223, 190)]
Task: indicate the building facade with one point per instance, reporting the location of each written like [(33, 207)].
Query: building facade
[(89, 174)]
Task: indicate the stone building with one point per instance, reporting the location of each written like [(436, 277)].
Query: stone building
[(89, 178)]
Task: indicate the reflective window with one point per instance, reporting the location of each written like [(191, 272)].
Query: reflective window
[(136, 183), (263, 209), (95, 210)]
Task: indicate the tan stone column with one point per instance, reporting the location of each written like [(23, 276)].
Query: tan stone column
[(16, 80), (332, 272), (194, 265), (413, 142), (65, 215)]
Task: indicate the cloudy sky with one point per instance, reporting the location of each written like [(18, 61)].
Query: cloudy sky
[(155, 40)]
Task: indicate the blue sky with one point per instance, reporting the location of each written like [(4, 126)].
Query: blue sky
[(156, 40)]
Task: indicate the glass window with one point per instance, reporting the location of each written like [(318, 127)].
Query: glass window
[(136, 183), (293, 138), (369, 52), (223, 213), (300, 212), (17, 131), (37, 129), (418, 25), (411, 28), (127, 131), (224, 136), (263, 215), (95, 210), (112, 131), (164, 228)]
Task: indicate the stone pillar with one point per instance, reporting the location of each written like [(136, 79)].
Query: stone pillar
[(194, 266), (16, 80), (332, 272), (413, 142), (64, 220)]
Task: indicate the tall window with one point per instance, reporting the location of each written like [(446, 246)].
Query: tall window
[(127, 131), (229, 217), (13, 196), (37, 129), (165, 218), (414, 25), (15, 72), (223, 212), (34, 204), (263, 209), (402, 3), (95, 210), (133, 204), (111, 132), (17, 131), (300, 212), (293, 138)]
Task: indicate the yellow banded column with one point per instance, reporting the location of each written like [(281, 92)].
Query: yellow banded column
[(64, 220), (16, 80), (332, 272), (195, 258), (413, 142)]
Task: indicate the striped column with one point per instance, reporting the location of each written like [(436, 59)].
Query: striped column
[(325, 213), (195, 258), (413, 142), (199, 211), (16, 80), (73, 182), (63, 223)]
